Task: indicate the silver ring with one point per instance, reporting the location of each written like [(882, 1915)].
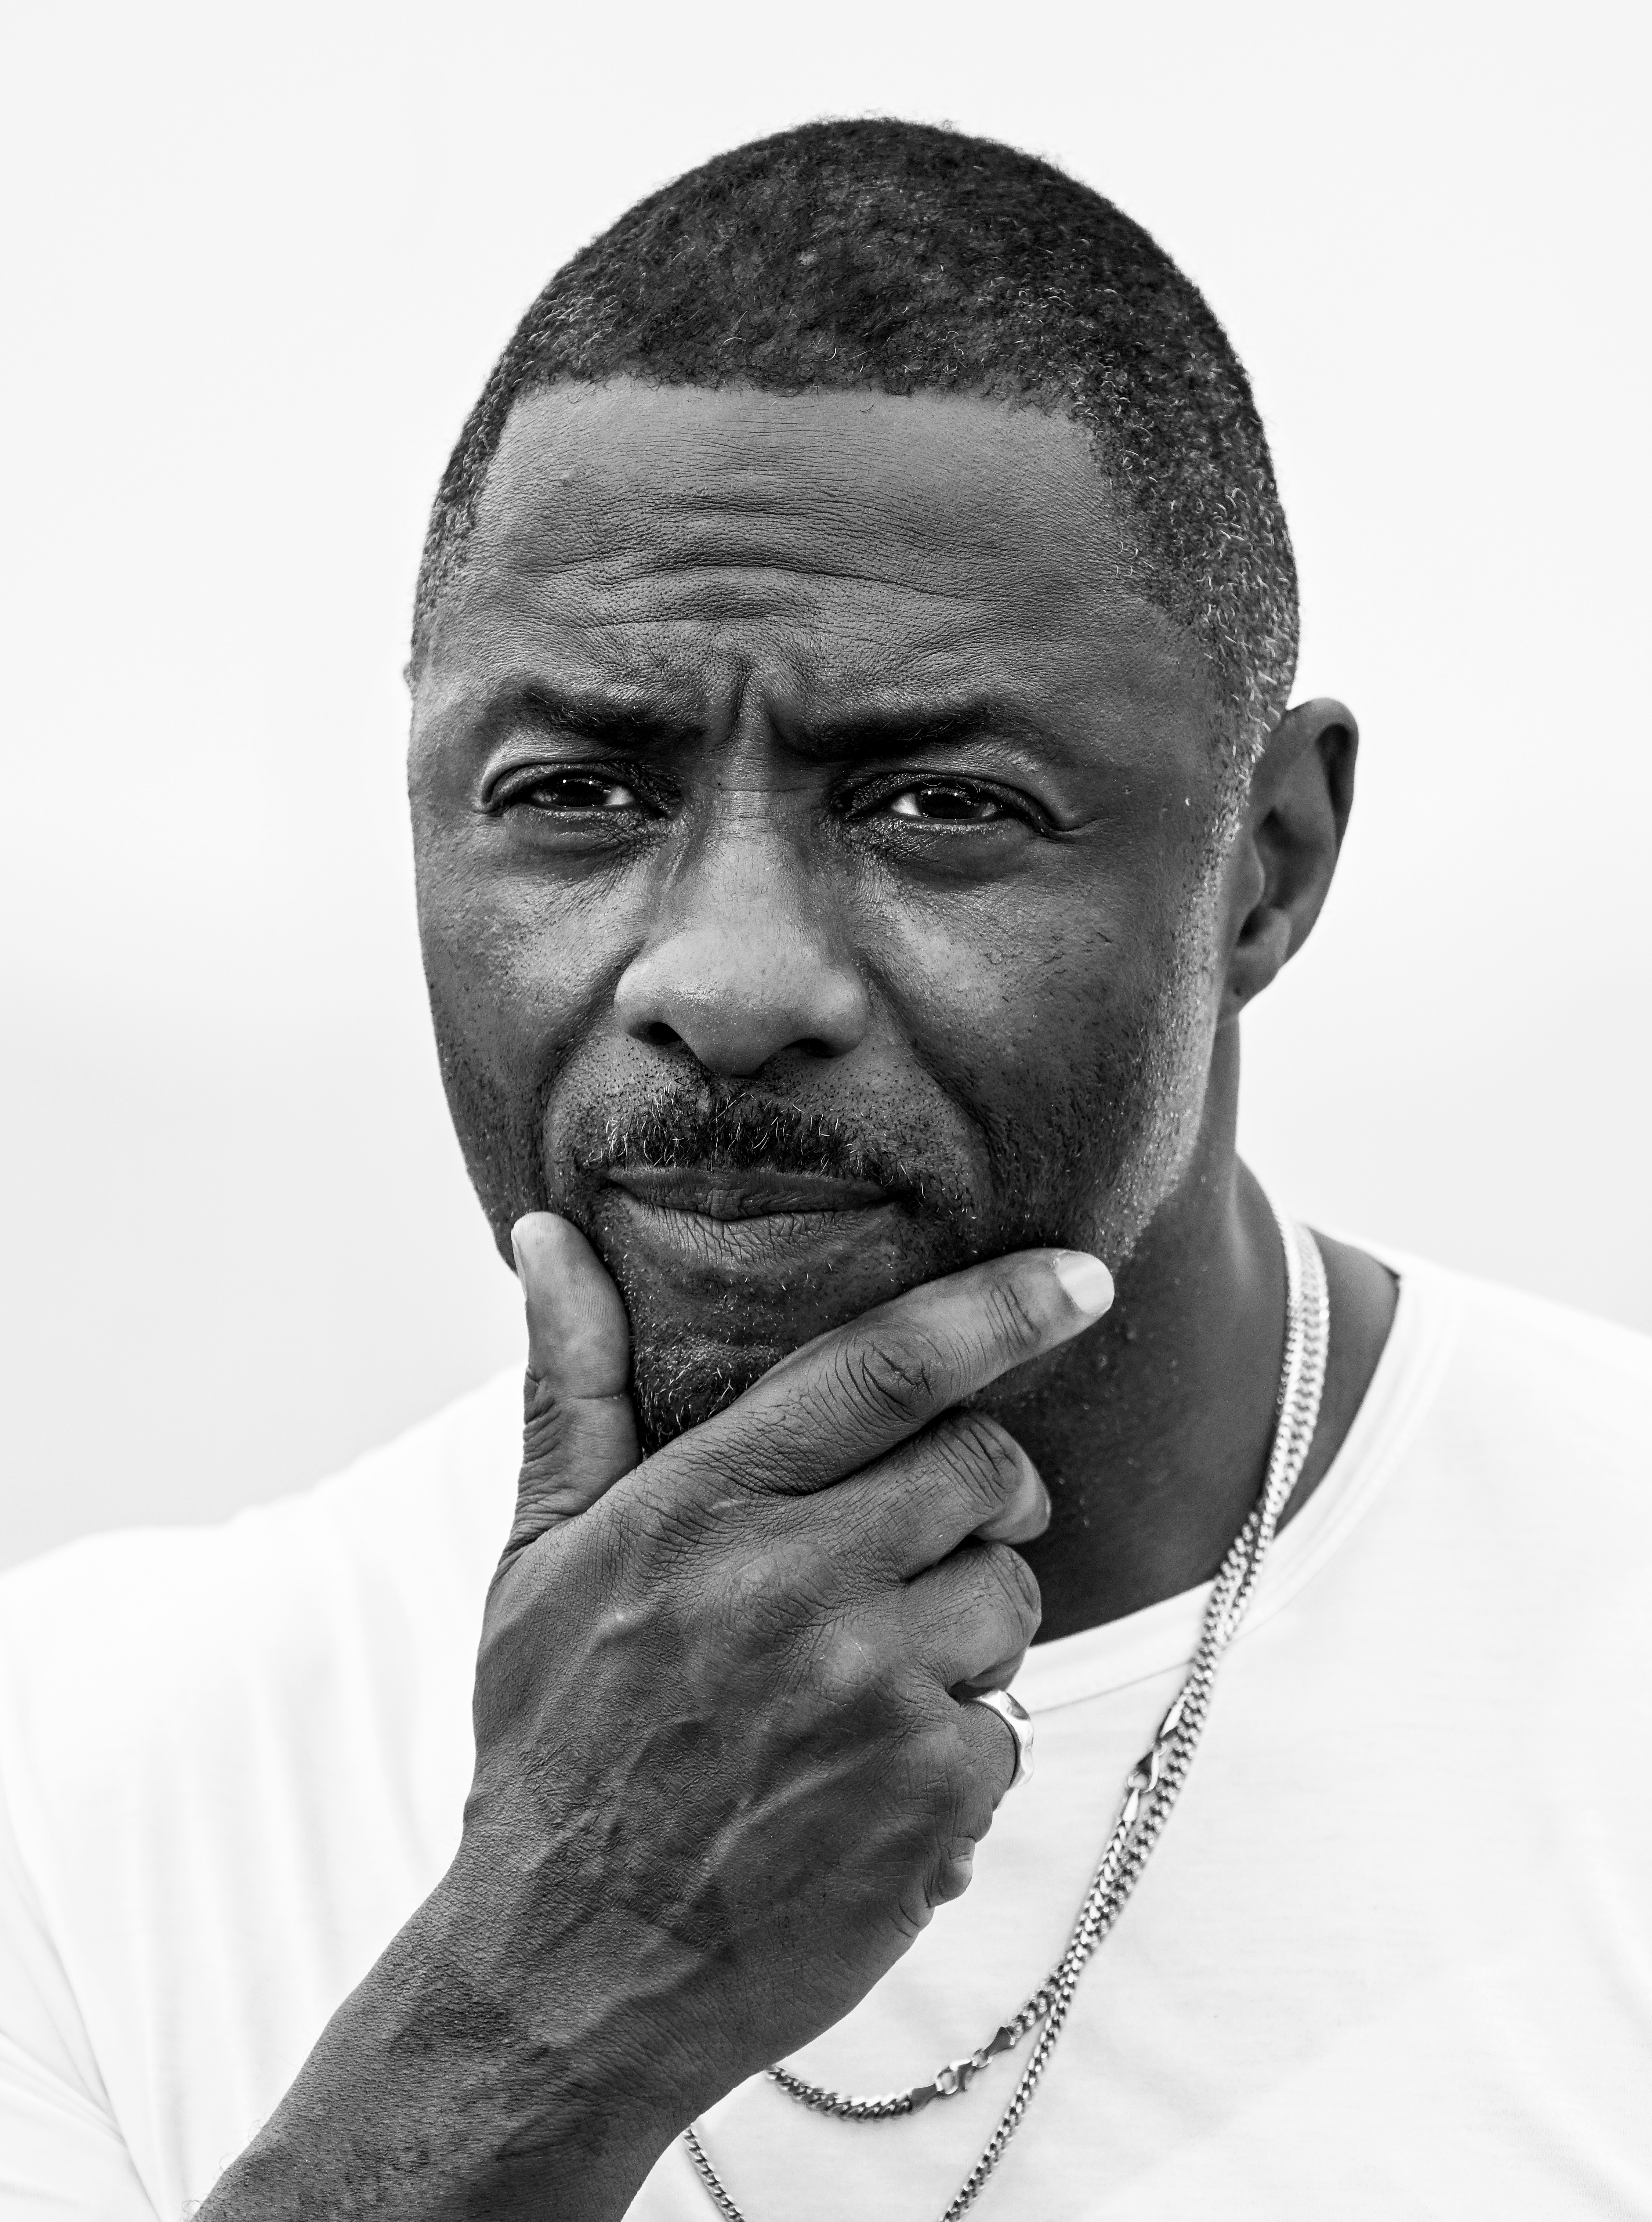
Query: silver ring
[(1017, 1720)]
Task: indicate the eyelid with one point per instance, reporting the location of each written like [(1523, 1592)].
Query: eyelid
[(515, 782), (1013, 801)]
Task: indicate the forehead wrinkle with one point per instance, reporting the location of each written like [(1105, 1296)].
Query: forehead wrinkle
[(813, 574), (823, 677), (613, 570), (902, 582), (698, 615), (714, 608), (743, 495), (695, 658)]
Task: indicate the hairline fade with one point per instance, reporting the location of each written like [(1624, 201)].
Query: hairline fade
[(903, 258)]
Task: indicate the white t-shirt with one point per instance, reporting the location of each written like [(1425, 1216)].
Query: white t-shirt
[(1391, 1958)]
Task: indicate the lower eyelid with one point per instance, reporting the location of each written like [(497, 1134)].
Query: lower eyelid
[(591, 805), (1002, 811)]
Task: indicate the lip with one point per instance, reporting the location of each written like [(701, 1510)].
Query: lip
[(757, 1227), (711, 1192)]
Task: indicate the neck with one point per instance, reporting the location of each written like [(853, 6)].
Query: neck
[(1154, 1431)]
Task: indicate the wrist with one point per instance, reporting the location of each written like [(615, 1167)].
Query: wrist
[(433, 2093)]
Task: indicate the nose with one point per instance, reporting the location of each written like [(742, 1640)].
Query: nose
[(745, 962)]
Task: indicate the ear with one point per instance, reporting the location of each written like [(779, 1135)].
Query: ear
[(1280, 868)]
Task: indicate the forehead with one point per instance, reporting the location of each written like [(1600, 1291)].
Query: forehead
[(688, 540)]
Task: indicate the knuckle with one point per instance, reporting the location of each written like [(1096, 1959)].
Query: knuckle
[(847, 1670), (546, 1428), (1010, 1582), (895, 1377), (953, 1871), (979, 1454), (773, 1586), (1017, 1324)]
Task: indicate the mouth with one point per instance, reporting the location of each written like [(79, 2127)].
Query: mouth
[(712, 1192), (752, 1222)]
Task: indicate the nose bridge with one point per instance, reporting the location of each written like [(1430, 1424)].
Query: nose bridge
[(749, 852), (747, 957)]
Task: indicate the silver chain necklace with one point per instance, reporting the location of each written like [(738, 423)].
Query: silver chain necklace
[(1152, 1784)]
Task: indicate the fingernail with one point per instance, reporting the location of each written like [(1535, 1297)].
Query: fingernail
[(1087, 1280)]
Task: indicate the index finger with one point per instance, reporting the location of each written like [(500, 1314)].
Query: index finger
[(845, 1398)]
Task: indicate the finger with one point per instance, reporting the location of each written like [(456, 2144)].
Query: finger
[(992, 1749), (579, 1429), (965, 1476), (966, 1617), (955, 1871), (980, 1766), (846, 1397), (997, 1676)]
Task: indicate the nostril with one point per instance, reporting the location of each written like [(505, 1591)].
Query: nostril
[(734, 991)]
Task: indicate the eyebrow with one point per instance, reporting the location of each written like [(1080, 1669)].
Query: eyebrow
[(898, 730), (608, 721), (604, 719)]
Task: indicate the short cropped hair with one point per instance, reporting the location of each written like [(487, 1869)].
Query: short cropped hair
[(904, 259)]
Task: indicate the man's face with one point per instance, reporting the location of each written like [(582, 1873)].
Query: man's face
[(814, 857)]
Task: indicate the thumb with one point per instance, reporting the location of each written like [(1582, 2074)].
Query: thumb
[(578, 1430)]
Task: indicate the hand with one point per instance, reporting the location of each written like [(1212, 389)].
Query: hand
[(722, 1780), (720, 1767)]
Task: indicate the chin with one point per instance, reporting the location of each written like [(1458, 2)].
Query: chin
[(706, 1327), (677, 1385)]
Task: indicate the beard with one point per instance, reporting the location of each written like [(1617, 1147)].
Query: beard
[(1081, 1154)]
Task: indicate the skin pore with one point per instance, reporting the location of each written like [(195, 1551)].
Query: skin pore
[(821, 890)]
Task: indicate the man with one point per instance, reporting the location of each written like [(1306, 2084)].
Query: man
[(855, 793)]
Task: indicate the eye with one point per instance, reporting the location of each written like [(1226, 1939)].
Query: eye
[(585, 791), (581, 790), (948, 802)]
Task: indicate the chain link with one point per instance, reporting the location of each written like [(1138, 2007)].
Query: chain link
[(1151, 1785)]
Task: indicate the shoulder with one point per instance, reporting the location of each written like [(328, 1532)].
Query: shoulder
[(412, 1516), (1501, 1462), (232, 1760), (1537, 1375), (192, 1638), (1505, 1442)]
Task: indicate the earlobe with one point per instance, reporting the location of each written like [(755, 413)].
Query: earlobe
[(1282, 864)]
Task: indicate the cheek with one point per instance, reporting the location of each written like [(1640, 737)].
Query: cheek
[(1014, 984), (1060, 1016), (516, 963)]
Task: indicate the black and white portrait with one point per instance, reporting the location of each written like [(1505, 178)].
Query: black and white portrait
[(826, 1386)]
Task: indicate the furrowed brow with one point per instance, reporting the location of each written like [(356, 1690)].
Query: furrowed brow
[(901, 730), (605, 720)]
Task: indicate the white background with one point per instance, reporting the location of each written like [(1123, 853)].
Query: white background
[(260, 260)]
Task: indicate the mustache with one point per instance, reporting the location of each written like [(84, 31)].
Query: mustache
[(730, 1128)]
